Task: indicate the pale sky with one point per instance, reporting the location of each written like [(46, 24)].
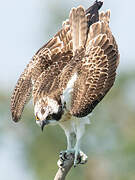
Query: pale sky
[(23, 22), (22, 34)]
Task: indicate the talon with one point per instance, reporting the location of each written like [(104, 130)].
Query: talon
[(62, 156), (65, 155), (80, 158)]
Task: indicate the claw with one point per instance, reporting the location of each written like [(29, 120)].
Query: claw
[(65, 155), (79, 157), (83, 157)]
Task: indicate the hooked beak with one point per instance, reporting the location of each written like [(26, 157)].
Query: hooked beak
[(43, 123)]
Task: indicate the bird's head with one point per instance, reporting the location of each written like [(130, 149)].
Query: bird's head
[(47, 111)]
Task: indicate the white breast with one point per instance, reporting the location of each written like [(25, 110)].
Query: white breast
[(67, 93), (69, 123)]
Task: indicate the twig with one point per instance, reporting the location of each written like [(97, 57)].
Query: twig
[(63, 171)]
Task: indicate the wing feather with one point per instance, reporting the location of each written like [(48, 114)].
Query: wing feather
[(21, 95), (42, 60), (98, 70), (48, 80), (79, 27)]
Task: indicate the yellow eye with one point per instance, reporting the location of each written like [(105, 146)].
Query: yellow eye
[(37, 119)]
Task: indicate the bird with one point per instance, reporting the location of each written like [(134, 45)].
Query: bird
[(70, 75)]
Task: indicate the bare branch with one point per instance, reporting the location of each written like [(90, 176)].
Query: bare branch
[(63, 171)]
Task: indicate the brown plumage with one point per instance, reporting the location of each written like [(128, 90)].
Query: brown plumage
[(46, 57), (84, 45), (98, 68), (95, 63), (70, 75), (55, 55)]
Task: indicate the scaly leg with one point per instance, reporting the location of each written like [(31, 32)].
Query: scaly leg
[(80, 157), (74, 131), (71, 139)]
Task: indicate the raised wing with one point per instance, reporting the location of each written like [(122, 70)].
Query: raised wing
[(43, 59), (21, 95), (97, 72)]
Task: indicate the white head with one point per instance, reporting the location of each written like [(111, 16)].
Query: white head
[(47, 110)]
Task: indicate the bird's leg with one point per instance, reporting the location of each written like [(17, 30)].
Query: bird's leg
[(73, 151), (71, 138), (79, 157)]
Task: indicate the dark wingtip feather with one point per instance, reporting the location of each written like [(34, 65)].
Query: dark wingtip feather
[(99, 4), (95, 7), (92, 13)]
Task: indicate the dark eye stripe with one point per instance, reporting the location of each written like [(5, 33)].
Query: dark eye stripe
[(56, 116), (49, 117)]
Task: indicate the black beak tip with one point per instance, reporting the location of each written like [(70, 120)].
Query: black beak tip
[(42, 125), (42, 128)]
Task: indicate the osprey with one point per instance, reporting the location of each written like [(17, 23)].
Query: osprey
[(70, 75)]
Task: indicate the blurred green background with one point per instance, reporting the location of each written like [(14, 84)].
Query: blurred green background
[(26, 152)]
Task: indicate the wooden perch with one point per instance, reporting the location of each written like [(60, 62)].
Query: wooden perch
[(63, 171)]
